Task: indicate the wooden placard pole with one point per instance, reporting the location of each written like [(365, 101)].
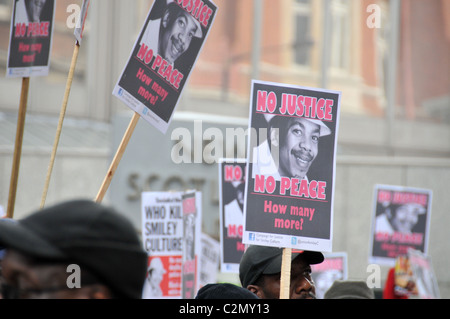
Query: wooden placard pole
[(116, 160), (61, 120), (285, 279), (18, 147)]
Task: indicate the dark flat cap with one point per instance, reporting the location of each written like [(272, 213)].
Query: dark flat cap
[(262, 260)]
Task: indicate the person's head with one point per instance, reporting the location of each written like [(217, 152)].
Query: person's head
[(404, 217), (260, 272), (224, 291), (297, 140), (2, 254), (178, 28), (342, 289), (75, 249)]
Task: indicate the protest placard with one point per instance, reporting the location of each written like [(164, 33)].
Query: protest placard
[(81, 21), (163, 57), (291, 163), (28, 56), (31, 38), (334, 267), (209, 260), (162, 237), (404, 282), (231, 200), (400, 221), (425, 279), (192, 217), (414, 276)]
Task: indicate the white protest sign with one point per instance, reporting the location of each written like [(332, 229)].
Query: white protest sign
[(291, 169)]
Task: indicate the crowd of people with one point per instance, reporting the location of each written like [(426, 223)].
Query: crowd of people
[(83, 249)]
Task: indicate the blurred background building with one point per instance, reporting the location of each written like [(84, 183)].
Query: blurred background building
[(389, 58)]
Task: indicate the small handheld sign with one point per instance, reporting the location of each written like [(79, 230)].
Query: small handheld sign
[(28, 56), (231, 200), (152, 80), (31, 38), (159, 66), (290, 171)]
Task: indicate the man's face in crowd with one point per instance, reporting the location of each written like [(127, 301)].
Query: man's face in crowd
[(29, 279), (301, 284), (298, 147), (178, 36), (32, 280)]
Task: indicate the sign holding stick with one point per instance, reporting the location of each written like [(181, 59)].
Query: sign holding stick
[(60, 122), (285, 278), (18, 147), (78, 35), (116, 160), (28, 55)]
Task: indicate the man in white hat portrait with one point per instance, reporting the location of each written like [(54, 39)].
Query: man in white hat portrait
[(171, 35), (152, 286), (29, 11), (399, 218), (291, 147)]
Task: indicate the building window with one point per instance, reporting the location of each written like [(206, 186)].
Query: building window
[(302, 34), (340, 34), (382, 45)]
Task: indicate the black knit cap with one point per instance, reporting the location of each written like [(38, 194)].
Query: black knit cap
[(224, 291), (263, 260), (88, 234)]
